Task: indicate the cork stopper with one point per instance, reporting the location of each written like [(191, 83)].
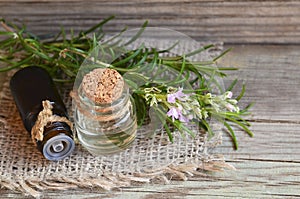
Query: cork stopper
[(103, 85)]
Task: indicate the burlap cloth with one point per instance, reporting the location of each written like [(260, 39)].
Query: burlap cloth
[(149, 160)]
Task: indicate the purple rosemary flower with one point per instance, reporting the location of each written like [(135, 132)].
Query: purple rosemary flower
[(171, 98), (184, 119), (175, 113)]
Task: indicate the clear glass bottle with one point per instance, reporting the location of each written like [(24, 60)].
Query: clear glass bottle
[(105, 128)]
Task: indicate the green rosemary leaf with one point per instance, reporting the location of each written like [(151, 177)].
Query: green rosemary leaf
[(140, 109), (100, 36), (233, 115), (181, 127), (144, 56), (168, 49), (195, 52), (195, 80), (132, 85), (130, 57), (17, 64), (99, 25), (55, 38), (67, 69), (211, 72), (31, 35), (32, 46), (197, 91), (221, 55), (182, 68), (7, 43), (207, 128), (6, 33), (242, 93), (227, 68), (123, 70), (95, 42), (232, 85), (113, 38), (162, 117), (63, 35), (243, 126), (172, 60), (138, 34), (208, 70), (246, 109), (166, 127), (137, 77), (179, 81), (232, 134), (79, 51), (11, 27)]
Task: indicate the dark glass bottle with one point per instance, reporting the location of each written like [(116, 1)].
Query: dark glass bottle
[(31, 86)]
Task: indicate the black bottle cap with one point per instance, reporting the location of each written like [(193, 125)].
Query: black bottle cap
[(57, 143)]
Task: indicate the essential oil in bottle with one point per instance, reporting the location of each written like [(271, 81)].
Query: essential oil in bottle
[(105, 116), (43, 112)]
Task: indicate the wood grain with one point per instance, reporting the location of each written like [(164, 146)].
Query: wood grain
[(268, 165), (272, 77), (234, 21)]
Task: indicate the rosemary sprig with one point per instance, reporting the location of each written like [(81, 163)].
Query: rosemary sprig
[(59, 55), (142, 68)]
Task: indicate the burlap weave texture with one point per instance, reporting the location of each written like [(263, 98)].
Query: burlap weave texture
[(150, 159)]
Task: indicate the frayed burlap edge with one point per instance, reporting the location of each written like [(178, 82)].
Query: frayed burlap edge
[(115, 181), (196, 167)]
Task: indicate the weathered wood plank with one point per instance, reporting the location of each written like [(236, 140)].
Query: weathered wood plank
[(229, 21), (271, 74), (273, 142), (268, 165), (251, 180)]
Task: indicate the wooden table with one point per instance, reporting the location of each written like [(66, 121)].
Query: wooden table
[(268, 165)]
